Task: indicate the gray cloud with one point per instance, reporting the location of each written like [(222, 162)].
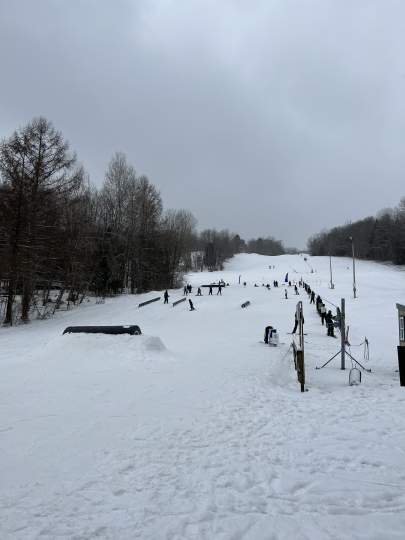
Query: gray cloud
[(268, 117)]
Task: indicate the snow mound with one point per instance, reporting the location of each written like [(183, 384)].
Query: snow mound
[(153, 344)]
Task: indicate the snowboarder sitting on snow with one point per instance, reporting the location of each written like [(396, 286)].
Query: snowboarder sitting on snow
[(166, 297), (266, 333)]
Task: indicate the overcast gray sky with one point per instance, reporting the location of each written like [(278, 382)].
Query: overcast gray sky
[(277, 117)]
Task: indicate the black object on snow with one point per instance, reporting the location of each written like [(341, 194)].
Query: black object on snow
[(245, 304), (401, 364), (179, 301), (149, 301), (132, 329)]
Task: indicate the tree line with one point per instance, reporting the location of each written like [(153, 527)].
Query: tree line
[(60, 232), (380, 238)]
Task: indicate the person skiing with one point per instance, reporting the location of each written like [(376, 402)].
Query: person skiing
[(189, 288), (192, 308), (166, 297), (329, 323), (185, 290), (296, 289), (219, 290), (312, 298), (210, 290), (296, 323), (199, 293)]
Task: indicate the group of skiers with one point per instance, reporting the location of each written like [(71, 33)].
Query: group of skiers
[(326, 316), (187, 289)]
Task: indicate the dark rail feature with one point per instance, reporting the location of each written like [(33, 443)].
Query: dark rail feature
[(149, 301), (132, 329), (179, 301)]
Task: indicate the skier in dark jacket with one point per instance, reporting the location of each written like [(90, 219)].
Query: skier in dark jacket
[(296, 323), (210, 290), (329, 323), (199, 293), (192, 308), (312, 298), (166, 297), (219, 290), (322, 311)]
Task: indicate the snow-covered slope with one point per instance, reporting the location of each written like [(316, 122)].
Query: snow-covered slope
[(197, 430)]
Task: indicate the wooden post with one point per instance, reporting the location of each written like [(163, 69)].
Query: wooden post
[(301, 369)]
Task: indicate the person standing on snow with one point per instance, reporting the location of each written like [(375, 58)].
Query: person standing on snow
[(199, 293), (322, 311), (166, 297), (219, 290), (210, 291), (329, 323), (312, 298)]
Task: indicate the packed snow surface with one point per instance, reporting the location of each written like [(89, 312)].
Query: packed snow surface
[(196, 429)]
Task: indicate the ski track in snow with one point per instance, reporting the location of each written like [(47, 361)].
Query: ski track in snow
[(201, 432)]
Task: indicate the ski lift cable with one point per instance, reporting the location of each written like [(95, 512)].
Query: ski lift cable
[(329, 302), (366, 350), (288, 350)]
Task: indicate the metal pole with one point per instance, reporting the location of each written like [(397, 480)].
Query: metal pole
[(342, 333), (354, 269), (301, 321), (330, 269)]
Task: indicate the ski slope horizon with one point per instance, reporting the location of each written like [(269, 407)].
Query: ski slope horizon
[(198, 430)]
